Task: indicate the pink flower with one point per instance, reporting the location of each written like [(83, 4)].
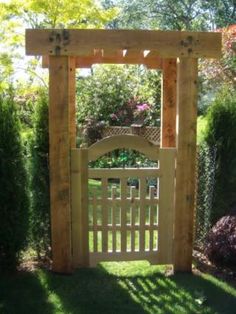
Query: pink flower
[(143, 107), (113, 116)]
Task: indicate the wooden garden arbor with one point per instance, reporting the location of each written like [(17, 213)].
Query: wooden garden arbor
[(176, 54)]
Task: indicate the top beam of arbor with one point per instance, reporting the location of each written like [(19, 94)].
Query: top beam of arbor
[(168, 44)]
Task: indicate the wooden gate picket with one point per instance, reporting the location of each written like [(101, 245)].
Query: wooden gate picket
[(79, 204)]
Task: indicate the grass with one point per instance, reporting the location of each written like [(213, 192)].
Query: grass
[(201, 127), (134, 287), (95, 188)]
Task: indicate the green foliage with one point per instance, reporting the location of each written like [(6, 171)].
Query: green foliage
[(14, 203), (121, 158), (40, 218), (163, 14), (112, 89), (66, 13), (173, 14), (201, 127), (120, 96), (223, 11), (221, 132), (16, 15)]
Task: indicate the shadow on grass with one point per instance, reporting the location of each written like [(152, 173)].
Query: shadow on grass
[(23, 293), (117, 288)]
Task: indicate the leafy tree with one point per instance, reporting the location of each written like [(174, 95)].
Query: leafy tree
[(14, 204), (16, 15), (222, 13), (170, 14), (64, 14), (174, 14)]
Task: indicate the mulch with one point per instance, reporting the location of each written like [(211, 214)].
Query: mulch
[(204, 265)]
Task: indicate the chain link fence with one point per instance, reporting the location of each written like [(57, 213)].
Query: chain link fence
[(206, 168)]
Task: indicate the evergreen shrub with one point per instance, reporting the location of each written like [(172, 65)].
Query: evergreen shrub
[(221, 133), (14, 201), (40, 216)]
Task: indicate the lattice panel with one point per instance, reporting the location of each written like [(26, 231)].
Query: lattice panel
[(123, 218), (110, 131), (150, 133)]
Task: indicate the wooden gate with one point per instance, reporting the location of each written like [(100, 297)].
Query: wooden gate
[(123, 222)]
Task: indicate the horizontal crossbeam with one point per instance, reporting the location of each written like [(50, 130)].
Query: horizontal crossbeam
[(168, 44), (88, 61)]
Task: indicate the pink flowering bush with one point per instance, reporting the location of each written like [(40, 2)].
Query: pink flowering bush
[(221, 70), (135, 112), (119, 95)]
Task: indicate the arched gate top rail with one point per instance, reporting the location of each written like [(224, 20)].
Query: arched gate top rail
[(126, 141)]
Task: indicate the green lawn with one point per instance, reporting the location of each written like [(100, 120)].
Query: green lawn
[(113, 288), (201, 127)]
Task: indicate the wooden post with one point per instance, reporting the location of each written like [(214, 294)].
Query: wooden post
[(59, 151), (168, 109), (186, 160)]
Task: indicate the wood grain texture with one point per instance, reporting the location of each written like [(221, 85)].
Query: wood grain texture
[(72, 104), (186, 159), (170, 44), (166, 204), (168, 108), (59, 153)]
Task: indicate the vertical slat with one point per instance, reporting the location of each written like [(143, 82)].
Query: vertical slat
[(123, 187), (95, 232), (75, 201), (142, 193), (59, 153), (113, 210), (132, 194), (83, 208), (104, 215), (186, 158), (168, 109), (151, 195), (166, 205), (80, 233)]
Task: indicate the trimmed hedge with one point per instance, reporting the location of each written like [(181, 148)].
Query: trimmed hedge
[(221, 133), (14, 202), (39, 146)]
